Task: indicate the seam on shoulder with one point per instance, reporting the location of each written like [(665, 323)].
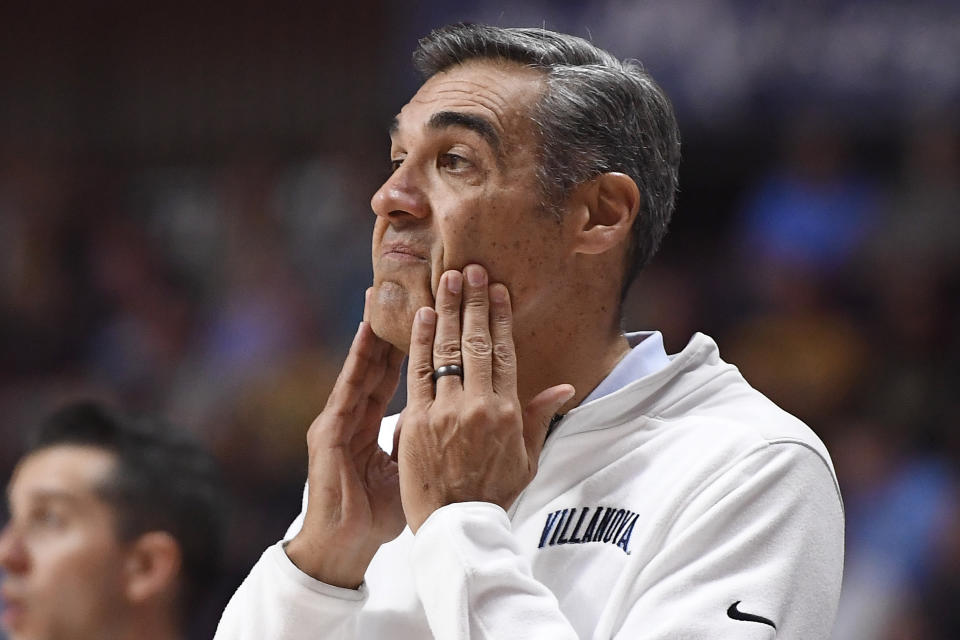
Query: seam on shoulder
[(759, 446), (830, 471)]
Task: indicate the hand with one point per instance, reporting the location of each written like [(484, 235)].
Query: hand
[(468, 439), (354, 496)]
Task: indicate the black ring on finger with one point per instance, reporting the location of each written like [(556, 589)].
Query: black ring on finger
[(447, 370)]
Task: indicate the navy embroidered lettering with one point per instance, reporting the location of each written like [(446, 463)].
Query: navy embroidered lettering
[(604, 524), (566, 525), (556, 529), (624, 541), (573, 536), (623, 524), (588, 534), (614, 523), (552, 518)]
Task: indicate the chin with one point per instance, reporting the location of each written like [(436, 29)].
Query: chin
[(394, 330), (392, 310)]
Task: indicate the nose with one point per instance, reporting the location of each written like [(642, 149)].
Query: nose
[(13, 555), (401, 196)]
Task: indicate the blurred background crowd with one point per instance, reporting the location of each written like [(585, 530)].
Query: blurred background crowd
[(184, 231)]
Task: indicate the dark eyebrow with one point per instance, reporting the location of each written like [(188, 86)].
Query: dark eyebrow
[(46, 495), (55, 495), (477, 124), (444, 119)]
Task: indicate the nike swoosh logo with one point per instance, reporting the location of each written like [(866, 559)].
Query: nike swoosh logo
[(736, 614)]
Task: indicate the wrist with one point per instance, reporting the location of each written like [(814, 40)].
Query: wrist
[(420, 513), (337, 567)]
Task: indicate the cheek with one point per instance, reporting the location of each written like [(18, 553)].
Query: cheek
[(379, 227), (477, 236), (514, 252), (77, 582), (459, 242)]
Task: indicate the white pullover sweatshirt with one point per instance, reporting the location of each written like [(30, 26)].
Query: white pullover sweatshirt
[(684, 505)]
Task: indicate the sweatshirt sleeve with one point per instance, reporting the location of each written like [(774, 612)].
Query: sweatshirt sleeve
[(280, 602), (474, 581), (758, 554)]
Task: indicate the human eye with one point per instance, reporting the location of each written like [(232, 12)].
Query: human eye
[(47, 517), (453, 162), (395, 164)]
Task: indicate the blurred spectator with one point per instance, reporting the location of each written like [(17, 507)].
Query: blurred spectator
[(918, 230), (901, 509), (116, 530), (810, 214)]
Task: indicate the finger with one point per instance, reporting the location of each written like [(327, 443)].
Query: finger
[(366, 304), (356, 375), (366, 368), (504, 360), (386, 387), (476, 344), (420, 362), (446, 342), (538, 414)]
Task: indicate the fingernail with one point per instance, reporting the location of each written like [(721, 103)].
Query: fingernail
[(476, 275), (454, 281), (425, 314), (498, 293)]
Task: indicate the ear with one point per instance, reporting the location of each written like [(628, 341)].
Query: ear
[(607, 207), (152, 566)]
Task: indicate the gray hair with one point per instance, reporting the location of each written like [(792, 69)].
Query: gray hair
[(597, 115)]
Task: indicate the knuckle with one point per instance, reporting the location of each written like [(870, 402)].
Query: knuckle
[(449, 304), (477, 344), (506, 412), (443, 414), (476, 300), (313, 433), (446, 350), (423, 370), (477, 412), (319, 430), (503, 323), (503, 352)]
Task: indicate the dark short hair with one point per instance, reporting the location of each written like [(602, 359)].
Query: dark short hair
[(597, 115), (162, 481)]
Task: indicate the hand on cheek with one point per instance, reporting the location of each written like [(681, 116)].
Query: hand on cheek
[(468, 439)]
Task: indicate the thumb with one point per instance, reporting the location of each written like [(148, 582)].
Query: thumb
[(538, 414)]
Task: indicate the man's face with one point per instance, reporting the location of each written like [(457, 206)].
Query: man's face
[(464, 190), (61, 561)]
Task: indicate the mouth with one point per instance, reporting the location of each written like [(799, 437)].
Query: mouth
[(401, 252)]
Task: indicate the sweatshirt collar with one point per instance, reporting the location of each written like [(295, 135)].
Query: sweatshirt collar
[(646, 356)]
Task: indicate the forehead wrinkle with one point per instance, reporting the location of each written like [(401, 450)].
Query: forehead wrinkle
[(466, 93), (476, 92), (492, 96)]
